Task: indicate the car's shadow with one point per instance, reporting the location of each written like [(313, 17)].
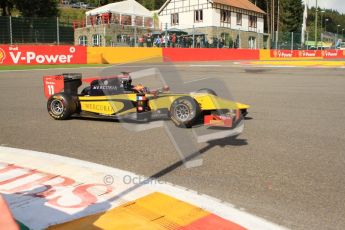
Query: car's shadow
[(129, 120), (229, 141), (117, 120)]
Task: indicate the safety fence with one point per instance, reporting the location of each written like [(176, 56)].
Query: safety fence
[(164, 35), (35, 55), (300, 41), (20, 30), (154, 32)]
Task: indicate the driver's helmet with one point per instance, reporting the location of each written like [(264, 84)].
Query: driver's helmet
[(140, 88)]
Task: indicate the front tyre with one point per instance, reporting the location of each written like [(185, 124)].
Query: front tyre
[(184, 111), (61, 106), (244, 112)]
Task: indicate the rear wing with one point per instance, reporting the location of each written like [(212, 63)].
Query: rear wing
[(67, 82), (53, 85)]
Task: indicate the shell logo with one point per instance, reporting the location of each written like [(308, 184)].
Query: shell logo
[(2, 56), (323, 53), (275, 53), (300, 53)]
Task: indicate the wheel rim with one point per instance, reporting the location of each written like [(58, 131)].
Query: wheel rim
[(182, 112), (57, 107)]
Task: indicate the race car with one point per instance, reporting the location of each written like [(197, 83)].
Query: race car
[(116, 97)]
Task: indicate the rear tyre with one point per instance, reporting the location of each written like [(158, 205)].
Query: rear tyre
[(206, 90), (61, 106), (184, 111), (72, 76)]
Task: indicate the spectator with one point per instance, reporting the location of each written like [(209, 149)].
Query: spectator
[(110, 19), (190, 42), (162, 41), (141, 41), (206, 42), (158, 41), (198, 41), (210, 43), (202, 43), (221, 42), (148, 40), (132, 41), (98, 19), (182, 42), (215, 42), (173, 40), (178, 41), (165, 40)]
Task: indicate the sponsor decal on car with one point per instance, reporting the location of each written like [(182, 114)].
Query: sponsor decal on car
[(104, 87), (95, 107), (52, 85)]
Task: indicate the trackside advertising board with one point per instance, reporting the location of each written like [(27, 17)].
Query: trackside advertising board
[(42, 55), (326, 54)]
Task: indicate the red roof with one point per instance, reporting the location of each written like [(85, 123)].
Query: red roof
[(242, 4)]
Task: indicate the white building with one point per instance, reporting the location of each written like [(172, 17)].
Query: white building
[(114, 24), (237, 20), (128, 12)]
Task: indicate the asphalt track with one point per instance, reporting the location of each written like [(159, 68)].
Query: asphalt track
[(287, 166)]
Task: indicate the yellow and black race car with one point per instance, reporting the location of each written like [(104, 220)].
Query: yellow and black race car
[(116, 97)]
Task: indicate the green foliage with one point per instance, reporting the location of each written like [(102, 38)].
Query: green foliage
[(329, 19), (149, 4), (6, 7), (69, 14), (37, 8), (291, 15), (291, 12)]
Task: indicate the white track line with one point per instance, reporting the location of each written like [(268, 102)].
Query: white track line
[(195, 80), (200, 65)]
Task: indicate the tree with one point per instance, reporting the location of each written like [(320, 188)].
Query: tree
[(291, 15), (37, 8), (148, 4), (6, 7), (328, 21)]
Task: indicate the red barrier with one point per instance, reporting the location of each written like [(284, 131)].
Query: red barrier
[(307, 53), (34, 55), (208, 54)]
